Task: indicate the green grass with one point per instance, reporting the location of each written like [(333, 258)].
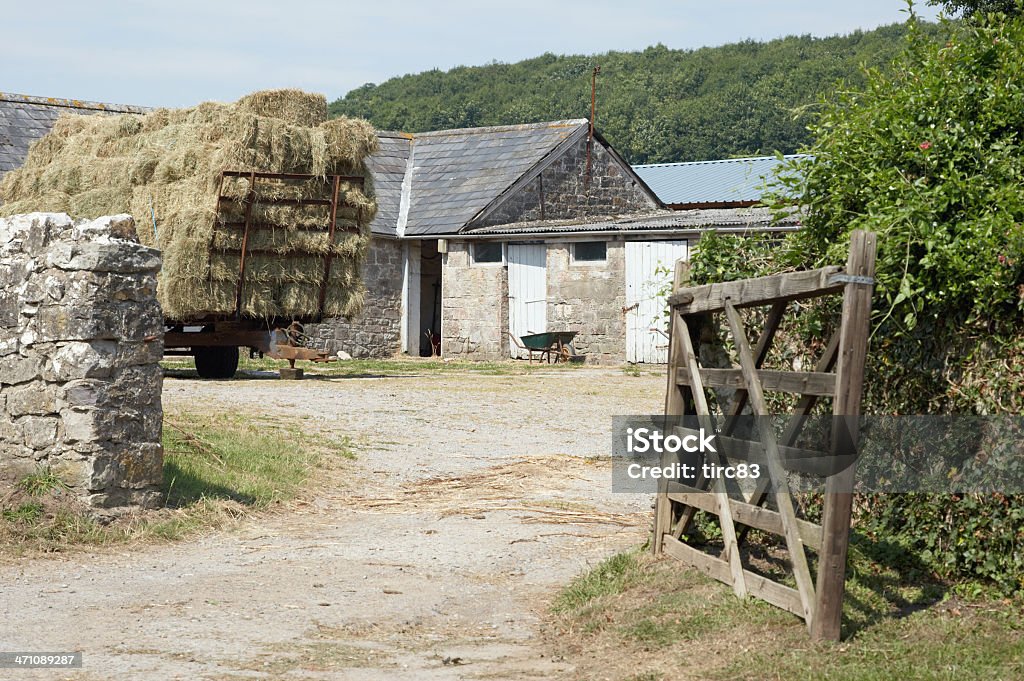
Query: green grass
[(608, 578), (218, 467), (632, 617), (369, 368), (41, 482)]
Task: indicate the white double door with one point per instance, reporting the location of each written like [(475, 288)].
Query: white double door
[(649, 268), (527, 292)]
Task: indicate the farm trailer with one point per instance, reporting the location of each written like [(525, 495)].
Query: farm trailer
[(214, 339)]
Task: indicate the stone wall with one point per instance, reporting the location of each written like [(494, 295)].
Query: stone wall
[(474, 302), (588, 298), (81, 335), (563, 192), (376, 331)]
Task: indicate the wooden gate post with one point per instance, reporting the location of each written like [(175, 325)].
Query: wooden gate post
[(675, 405), (853, 344)]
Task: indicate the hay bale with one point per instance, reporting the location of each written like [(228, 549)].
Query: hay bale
[(165, 169)]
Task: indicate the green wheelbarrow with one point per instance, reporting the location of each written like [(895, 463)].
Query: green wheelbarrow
[(548, 345)]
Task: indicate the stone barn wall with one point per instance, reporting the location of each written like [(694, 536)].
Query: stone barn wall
[(584, 297), (376, 331), (561, 191), (81, 335), (474, 307), (588, 298)]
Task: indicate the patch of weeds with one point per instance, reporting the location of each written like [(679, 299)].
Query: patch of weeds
[(41, 482), (894, 627), (632, 370), (608, 578), (222, 456), (27, 512)]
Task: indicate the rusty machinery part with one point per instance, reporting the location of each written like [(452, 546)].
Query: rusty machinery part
[(296, 334)]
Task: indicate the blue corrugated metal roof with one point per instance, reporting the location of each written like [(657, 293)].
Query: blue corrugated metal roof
[(734, 180)]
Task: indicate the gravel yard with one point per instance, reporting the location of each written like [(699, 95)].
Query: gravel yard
[(433, 555)]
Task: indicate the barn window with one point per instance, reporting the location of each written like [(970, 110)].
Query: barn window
[(590, 251), (488, 253)]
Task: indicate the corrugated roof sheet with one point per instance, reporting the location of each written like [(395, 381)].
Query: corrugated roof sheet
[(458, 173), (694, 219), (734, 180)]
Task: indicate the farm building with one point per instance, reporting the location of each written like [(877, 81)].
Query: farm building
[(486, 234)]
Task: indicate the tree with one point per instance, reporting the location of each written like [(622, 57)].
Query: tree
[(657, 105), (969, 8)]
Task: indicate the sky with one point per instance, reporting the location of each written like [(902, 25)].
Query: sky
[(181, 52)]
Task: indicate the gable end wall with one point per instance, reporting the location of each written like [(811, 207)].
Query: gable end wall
[(562, 189)]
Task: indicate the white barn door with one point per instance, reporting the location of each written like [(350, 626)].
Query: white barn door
[(649, 268), (527, 291)]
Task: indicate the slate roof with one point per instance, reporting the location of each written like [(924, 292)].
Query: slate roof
[(458, 173), (735, 181), (24, 119), (732, 219), (388, 166)]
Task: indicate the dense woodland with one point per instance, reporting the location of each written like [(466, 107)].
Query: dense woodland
[(658, 105)]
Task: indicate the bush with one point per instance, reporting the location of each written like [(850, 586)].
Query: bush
[(929, 157)]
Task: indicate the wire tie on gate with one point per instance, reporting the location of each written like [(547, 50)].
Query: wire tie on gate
[(851, 279)]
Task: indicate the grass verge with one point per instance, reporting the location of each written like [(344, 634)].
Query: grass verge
[(218, 468), (633, 618), (184, 367)]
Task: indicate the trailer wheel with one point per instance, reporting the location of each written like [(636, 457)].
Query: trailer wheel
[(216, 362)]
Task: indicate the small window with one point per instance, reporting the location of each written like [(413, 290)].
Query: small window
[(487, 253), (590, 251)]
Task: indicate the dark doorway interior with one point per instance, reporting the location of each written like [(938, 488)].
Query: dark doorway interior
[(430, 299)]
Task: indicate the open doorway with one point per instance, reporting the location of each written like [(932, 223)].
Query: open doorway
[(430, 299)]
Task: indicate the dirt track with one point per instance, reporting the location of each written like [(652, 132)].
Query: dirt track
[(470, 502)]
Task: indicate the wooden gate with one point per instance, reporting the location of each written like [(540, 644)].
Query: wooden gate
[(838, 374)]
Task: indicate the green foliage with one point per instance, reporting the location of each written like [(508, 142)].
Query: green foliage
[(974, 537), (928, 156), (654, 106), (41, 482), (970, 8)]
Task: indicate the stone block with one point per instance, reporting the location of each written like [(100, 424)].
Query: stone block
[(76, 360), (80, 425), (15, 369), (35, 398), (40, 431), (104, 256)]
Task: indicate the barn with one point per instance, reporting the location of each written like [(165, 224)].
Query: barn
[(485, 234)]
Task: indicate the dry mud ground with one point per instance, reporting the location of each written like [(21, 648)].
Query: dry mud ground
[(433, 555)]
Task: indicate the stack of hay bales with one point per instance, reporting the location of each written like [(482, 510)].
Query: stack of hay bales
[(164, 168)]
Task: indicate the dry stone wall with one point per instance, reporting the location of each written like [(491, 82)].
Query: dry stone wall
[(81, 335)]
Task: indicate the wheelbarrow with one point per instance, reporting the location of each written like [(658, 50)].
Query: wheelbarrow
[(556, 344)]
